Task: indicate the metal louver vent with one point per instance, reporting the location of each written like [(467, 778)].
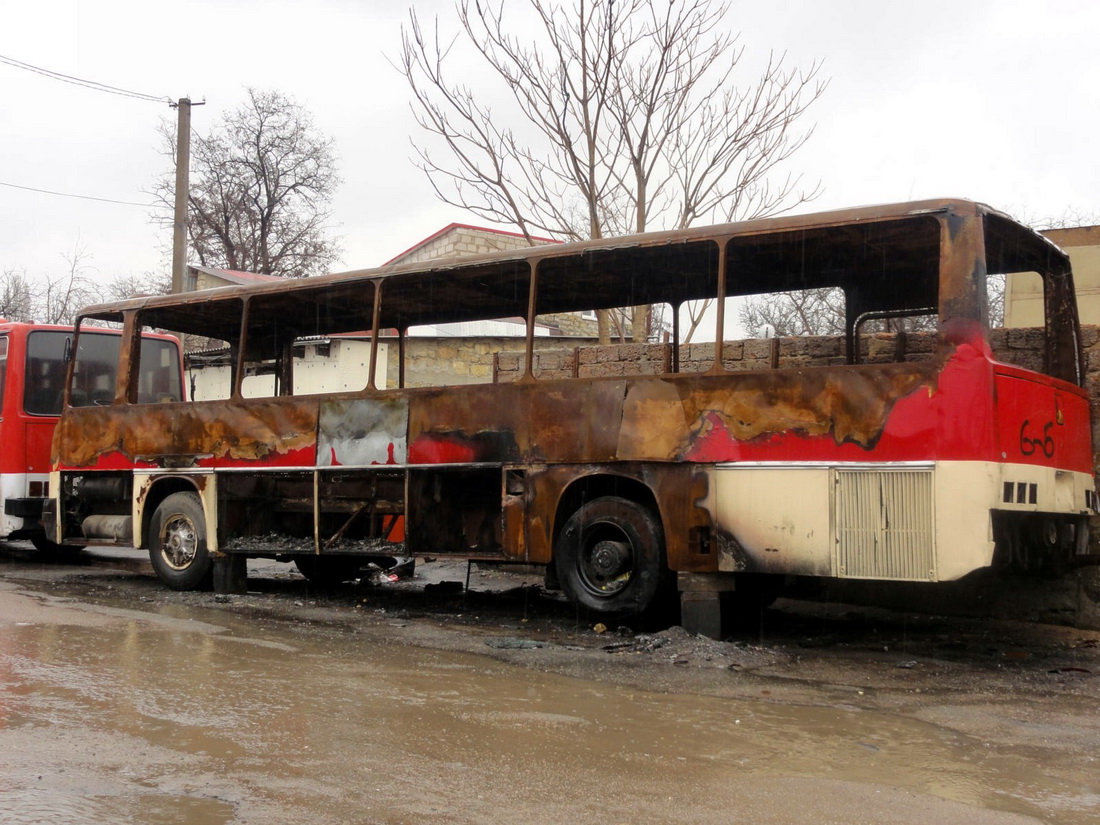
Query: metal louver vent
[(885, 524)]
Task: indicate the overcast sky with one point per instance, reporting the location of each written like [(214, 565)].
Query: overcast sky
[(989, 100)]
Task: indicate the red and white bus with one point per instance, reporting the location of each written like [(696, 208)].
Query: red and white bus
[(631, 477), (33, 363)]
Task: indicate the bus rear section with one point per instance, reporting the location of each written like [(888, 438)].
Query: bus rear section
[(986, 465), (1045, 490)]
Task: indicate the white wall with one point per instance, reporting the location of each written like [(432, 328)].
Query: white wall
[(344, 369)]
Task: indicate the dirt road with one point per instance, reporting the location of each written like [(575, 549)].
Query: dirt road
[(121, 701)]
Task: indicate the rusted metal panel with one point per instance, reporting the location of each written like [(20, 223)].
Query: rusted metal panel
[(681, 489), (685, 417), (673, 418), (514, 423), (272, 431), (962, 267)]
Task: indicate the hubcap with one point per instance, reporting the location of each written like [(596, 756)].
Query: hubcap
[(178, 544), (609, 557), (607, 567)]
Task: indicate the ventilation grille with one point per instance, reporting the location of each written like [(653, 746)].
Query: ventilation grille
[(885, 524)]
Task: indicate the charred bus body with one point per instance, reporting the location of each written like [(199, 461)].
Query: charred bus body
[(629, 487)]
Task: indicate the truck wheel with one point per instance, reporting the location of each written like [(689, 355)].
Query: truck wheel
[(610, 558), (177, 545)]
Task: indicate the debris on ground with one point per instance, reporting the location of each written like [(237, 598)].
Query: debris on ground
[(679, 647), (511, 643)]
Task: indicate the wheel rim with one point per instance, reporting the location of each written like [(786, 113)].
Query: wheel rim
[(178, 542), (606, 563)]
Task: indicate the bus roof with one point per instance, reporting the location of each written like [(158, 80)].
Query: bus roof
[(671, 266)]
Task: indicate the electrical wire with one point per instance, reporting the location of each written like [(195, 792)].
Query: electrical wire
[(88, 84), (83, 197)]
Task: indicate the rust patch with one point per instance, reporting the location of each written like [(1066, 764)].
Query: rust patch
[(227, 431), (667, 420), (528, 423)]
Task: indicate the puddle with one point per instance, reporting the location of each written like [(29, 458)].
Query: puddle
[(158, 721), (35, 807)]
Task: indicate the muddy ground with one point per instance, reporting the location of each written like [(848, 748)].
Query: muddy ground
[(1010, 705)]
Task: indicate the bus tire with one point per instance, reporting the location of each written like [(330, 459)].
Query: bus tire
[(610, 558), (178, 548)]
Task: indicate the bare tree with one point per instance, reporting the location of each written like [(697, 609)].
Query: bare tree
[(59, 298), (804, 312), (822, 312), (620, 116), (995, 284), (262, 183), (17, 298), (1070, 218), (122, 287)]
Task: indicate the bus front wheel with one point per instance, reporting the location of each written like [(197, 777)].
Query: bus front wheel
[(610, 558), (178, 549)]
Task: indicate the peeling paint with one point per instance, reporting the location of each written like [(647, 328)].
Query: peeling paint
[(362, 432)]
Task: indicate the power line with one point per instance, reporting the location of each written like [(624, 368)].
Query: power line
[(88, 84), (83, 197)]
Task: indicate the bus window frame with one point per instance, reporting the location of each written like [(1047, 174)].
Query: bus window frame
[(953, 237)]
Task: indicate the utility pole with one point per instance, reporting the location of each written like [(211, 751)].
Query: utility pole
[(183, 170)]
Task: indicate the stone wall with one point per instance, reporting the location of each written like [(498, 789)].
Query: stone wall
[(459, 241), (442, 362), (572, 324), (592, 361)]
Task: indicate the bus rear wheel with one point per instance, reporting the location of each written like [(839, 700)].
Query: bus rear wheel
[(610, 558), (178, 547)]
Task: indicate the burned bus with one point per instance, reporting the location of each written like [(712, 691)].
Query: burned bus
[(697, 476)]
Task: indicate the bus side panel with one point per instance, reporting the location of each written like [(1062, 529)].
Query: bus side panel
[(774, 519), (25, 478), (13, 486), (253, 432)]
